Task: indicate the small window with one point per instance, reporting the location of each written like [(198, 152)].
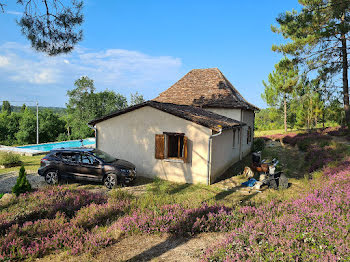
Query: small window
[(234, 138), (175, 145), (249, 135)]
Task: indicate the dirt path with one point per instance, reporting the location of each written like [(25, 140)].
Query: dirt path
[(159, 248), (149, 248)]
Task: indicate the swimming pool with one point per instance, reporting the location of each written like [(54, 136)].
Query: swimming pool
[(64, 144)]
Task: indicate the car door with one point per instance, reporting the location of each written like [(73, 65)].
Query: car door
[(69, 166), (90, 168)]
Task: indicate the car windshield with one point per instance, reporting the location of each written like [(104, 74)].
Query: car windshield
[(103, 155)]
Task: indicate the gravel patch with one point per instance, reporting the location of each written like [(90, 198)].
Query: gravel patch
[(8, 180)]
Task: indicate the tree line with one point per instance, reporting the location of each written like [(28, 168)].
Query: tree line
[(309, 85), (18, 127)]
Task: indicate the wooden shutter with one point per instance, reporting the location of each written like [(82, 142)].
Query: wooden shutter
[(159, 146), (185, 157)]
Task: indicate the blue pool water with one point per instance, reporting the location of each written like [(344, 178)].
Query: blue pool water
[(64, 144)]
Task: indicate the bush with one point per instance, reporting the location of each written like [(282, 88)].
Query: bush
[(39, 238), (99, 214), (1, 195), (62, 137), (258, 144), (303, 145), (9, 158), (22, 185), (177, 220), (45, 203)]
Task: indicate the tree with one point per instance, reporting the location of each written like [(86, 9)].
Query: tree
[(136, 99), (268, 119), (50, 26), (50, 126), (307, 105), (85, 105), (23, 108), (6, 107), (22, 185), (319, 39), (334, 112), (281, 83), (27, 128), (108, 101)]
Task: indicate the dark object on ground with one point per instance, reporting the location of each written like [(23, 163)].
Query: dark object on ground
[(22, 185), (251, 182), (277, 181), (256, 157), (86, 164)]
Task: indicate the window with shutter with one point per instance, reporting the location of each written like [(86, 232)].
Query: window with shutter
[(249, 135), (160, 146), (173, 144)]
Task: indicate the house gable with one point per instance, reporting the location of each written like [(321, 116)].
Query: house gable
[(190, 113)]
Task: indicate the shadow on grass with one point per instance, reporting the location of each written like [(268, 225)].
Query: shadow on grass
[(178, 188), (158, 250), (221, 195)]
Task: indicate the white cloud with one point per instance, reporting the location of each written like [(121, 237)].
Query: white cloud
[(14, 13), (124, 71), (4, 61)]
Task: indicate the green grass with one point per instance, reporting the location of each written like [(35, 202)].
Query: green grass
[(259, 133), (31, 164), (274, 132)]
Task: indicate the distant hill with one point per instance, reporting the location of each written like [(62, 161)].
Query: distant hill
[(57, 110)]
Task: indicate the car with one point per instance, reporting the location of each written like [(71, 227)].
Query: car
[(87, 164)]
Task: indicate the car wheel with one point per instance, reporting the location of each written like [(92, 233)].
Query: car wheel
[(110, 181), (51, 177)]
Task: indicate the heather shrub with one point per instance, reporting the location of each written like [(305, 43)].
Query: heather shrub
[(258, 144), (324, 143), (303, 145), (118, 194), (45, 203), (312, 227), (99, 214), (22, 185), (36, 239), (178, 220), (9, 158)]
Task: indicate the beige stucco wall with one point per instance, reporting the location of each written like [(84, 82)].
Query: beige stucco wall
[(245, 116), (228, 112), (131, 136), (224, 153)]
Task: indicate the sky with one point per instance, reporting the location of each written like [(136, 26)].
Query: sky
[(145, 47)]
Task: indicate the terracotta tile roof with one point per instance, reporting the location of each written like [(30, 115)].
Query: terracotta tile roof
[(190, 113), (205, 88)]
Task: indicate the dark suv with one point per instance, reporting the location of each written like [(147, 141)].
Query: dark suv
[(86, 164)]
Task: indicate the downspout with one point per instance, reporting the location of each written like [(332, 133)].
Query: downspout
[(209, 154), (240, 137), (240, 142), (95, 129)]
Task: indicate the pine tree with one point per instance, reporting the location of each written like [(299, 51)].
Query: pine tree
[(281, 83), (319, 34), (22, 185), (52, 26)]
